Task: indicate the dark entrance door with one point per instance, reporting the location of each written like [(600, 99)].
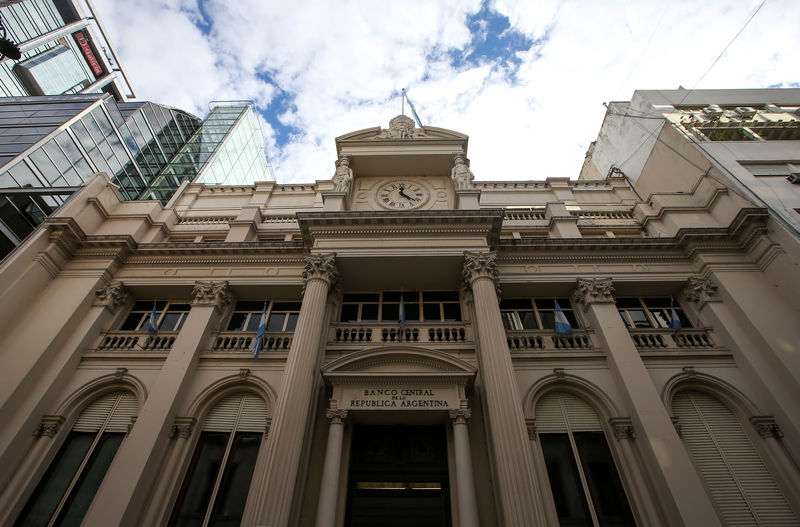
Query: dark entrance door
[(398, 477)]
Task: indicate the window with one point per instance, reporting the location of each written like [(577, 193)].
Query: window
[(585, 484), (527, 313), (428, 306), (215, 488), (649, 312), (740, 484), (169, 316), (65, 492), (281, 316)]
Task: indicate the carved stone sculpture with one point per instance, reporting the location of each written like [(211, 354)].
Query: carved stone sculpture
[(113, 295), (320, 267), (480, 265), (343, 176), (211, 294), (461, 175), (401, 127), (700, 290), (590, 290)]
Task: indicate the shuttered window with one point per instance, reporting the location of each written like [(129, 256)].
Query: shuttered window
[(740, 484), (215, 489), (65, 492), (584, 481)]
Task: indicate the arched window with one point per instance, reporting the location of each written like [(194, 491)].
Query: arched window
[(65, 492), (215, 489), (740, 484), (586, 487)]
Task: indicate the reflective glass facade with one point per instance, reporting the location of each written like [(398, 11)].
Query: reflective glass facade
[(53, 72)]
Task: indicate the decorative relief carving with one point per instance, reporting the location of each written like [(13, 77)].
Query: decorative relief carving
[(480, 265), (211, 294), (343, 176), (678, 428), (461, 175), (460, 416), (336, 415), (113, 295), (244, 373), (49, 426), (531, 426), (321, 267), (623, 427), (766, 426), (119, 373), (700, 290), (401, 127), (594, 290), (182, 427)]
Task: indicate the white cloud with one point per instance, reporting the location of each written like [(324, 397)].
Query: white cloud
[(341, 62)]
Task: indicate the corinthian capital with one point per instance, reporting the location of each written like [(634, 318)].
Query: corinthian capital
[(594, 290), (321, 267), (480, 265), (460, 416), (337, 416), (113, 295), (700, 290), (211, 294)]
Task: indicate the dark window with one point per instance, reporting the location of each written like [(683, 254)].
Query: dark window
[(280, 316), (540, 313), (430, 306), (650, 312), (169, 316)]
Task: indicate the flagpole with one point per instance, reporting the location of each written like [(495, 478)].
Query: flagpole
[(403, 102)]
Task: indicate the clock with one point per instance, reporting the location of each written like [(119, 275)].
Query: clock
[(402, 194)]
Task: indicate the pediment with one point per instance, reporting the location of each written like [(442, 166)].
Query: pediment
[(398, 361)]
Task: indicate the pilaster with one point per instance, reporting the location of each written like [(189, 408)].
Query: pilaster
[(329, 490), (682, 491), (465, 480), (517, 490)]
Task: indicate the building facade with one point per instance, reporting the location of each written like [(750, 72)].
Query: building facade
[(64, 50), (408, 368)]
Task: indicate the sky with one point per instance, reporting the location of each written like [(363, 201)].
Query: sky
[(525, 80)]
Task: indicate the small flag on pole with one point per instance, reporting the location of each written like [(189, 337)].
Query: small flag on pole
[(413, 110), (674, 321), (152, 321), (262, 328), (402, 317), (563, 327)]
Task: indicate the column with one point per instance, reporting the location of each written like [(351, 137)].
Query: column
[(329, 490), (682, 492), (763, 346), (287, 439), (465, 482), (518, 495), (122, 496)]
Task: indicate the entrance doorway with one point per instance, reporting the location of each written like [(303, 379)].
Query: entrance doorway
[(398, 477)]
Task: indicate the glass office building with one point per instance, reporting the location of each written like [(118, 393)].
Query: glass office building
[(50, 145), (64, 51)]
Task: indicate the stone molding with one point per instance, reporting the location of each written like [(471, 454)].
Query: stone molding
[(678, 427), (336, 415), (113, 296), (460, 416), (766, 426), (320, 267), (530, 424), (480, 265), (216, 294), (49, 426), (701, 290), (182, 427), (622, 427), (594, 291)]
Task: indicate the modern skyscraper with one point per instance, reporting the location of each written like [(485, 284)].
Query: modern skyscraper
[(64, 50)]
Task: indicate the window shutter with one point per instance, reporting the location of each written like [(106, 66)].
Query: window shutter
[(223, 417), (122, 404), (556, 409), (740, 484)]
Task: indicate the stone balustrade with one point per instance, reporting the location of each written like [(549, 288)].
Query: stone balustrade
[(548, 340), (136, 341), (243, 341), (379, 333), (667, 339)]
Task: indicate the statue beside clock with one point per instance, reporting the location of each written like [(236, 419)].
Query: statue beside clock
[(401, 194)]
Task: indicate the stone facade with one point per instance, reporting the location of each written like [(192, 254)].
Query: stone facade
[(380, 315)]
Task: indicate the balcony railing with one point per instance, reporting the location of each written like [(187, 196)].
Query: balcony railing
[(243, 341), (548, 340), (136, 341), (664, 339), (423, 332)]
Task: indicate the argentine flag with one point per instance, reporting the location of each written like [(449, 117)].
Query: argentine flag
[(563, 327), (152, 321), (402, 317), (262, 328), (674, 321)]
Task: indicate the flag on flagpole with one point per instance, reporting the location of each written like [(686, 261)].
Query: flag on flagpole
[(413, 110), (152, 321), (563, 327), (402, 317), (262, 328), (674, 321)]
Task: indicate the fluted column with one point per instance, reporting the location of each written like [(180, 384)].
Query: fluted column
[(518, 494), (123, 495), (329, 490), (681, 489), (465, 481), (295, 400)]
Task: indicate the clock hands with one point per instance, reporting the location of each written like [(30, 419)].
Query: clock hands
[(402, 193)]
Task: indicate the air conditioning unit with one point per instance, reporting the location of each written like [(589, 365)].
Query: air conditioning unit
[(712, 111), (794, 178), (745, 112)]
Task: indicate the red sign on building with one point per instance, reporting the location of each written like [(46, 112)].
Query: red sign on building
[(80, 38)]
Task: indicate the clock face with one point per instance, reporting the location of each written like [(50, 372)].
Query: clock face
[(402, 195)]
